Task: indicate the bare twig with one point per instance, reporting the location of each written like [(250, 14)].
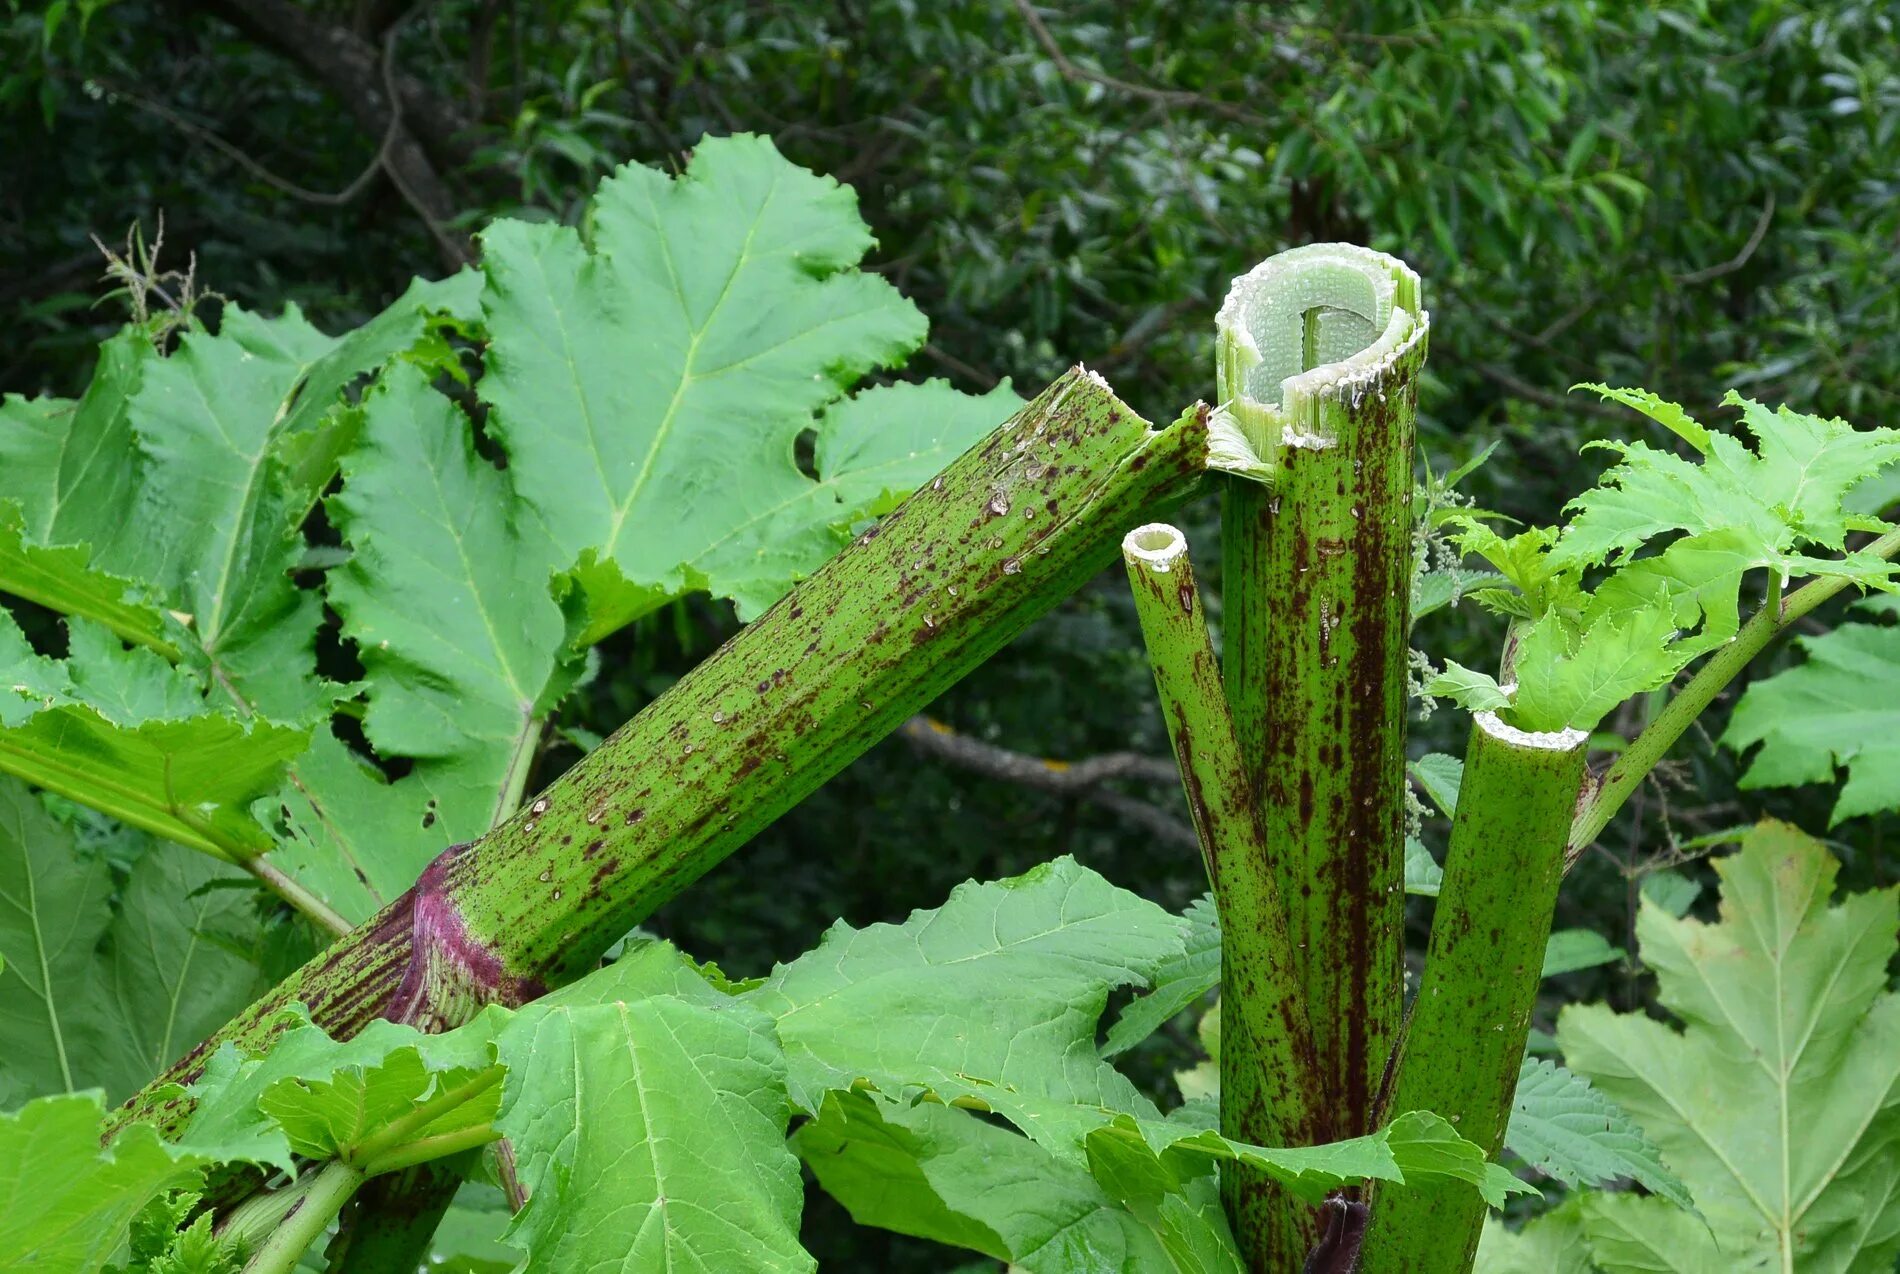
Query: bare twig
[(256, 167), (1740, 259)]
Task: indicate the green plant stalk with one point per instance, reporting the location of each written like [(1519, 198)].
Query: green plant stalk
[(1628, 770), (391, 1222), (1274, 1084), (332, 1187), (1464, 1038), (1008, 530), (1319, 351)]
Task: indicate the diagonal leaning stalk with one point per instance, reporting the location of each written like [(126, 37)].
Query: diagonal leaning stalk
[(1269, 1083), (1319, 352), (1007, 531), (1465, 1035)]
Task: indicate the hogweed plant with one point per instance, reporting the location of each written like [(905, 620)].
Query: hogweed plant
[(450, 1043)]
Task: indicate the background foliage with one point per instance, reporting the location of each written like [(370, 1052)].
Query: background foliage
[(1689, 198)]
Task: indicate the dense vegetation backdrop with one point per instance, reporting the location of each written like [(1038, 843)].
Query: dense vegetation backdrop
[(1687, 198)]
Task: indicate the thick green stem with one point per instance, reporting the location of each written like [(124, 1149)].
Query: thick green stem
[(1270, 1088), (1464, 1038), (1319, 354), (392, 1221), (328, 1192), (997, 539), (1687, 704)]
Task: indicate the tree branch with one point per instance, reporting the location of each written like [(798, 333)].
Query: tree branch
[(1080, 780), (421, 131)]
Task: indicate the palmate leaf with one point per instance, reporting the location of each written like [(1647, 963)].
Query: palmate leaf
[(1837, 708), (991, 1003), (1791, 1158), (646, 1109), (67, 482), (992, 998), (53, 912), (312, 1094), (93, 995), (649, 386), (651, 1136), (1178, 983)]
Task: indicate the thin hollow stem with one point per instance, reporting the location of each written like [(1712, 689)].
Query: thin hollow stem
[(1464, 1038), (332, 1187), (1275, 1081), (393, 1134), (1629, 769), (440, 1146), (287, 888)]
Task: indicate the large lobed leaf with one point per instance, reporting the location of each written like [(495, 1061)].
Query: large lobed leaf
[(1794, 1157), (648, 386)]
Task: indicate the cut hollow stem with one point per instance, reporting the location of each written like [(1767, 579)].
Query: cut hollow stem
[(1464, 1037), (1273, 1080), (1318, 356)]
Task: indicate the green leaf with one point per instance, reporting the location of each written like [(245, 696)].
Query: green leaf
[(1571, 949), (649, 386), (125, 732), (1435, 590), (53, 912), (1672, 891), (175, 966), (1440, 776), (367, 1115), (205, 419), (446, 596), (1177, 984), (72, 468), (1837, 708), (310, 1092), (1549, 1244), (1578, 654), (992, 998), (62, 579), (1573, 680), (1566, 1129), (1785, 999), (1423, 876), (1473, 691), (65, 1203), (651, 1135), (1147, 1158), (1628, 1234), (934, 1172)]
